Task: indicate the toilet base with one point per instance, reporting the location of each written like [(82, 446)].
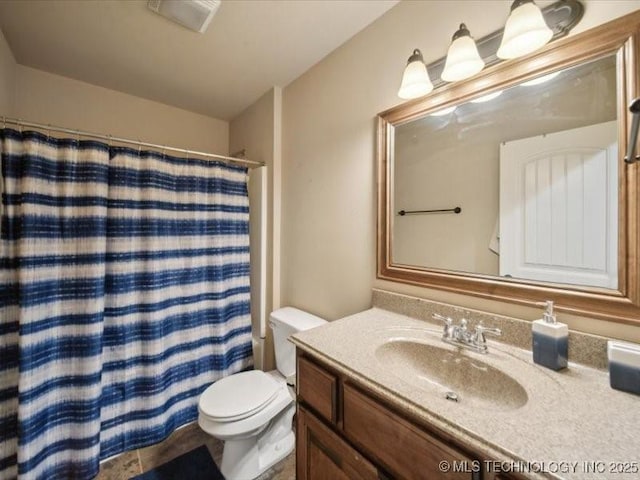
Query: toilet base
[(248, 458)]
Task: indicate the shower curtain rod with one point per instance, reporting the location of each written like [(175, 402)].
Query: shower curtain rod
[(110, 138)]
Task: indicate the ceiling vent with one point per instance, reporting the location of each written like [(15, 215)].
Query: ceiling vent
[(193, 14)]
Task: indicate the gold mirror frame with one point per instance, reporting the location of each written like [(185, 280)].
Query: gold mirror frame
[(620, 37)]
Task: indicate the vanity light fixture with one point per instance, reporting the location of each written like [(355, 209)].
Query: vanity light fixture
[(525, 31), (415, 79), (463, 59), (467, 57)]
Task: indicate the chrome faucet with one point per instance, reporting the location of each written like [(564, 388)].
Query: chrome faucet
[(460, 335)]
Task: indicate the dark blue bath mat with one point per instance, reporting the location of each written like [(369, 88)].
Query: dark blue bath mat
[(194, 465)]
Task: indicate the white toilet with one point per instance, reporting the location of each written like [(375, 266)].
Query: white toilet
[(252, 411)]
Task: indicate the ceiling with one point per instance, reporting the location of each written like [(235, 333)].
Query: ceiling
[(249, 47)]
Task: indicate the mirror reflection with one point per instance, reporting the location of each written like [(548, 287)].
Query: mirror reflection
[(533, 172)]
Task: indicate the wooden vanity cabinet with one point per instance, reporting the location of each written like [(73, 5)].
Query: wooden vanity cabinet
[(319, 388), (345, 432), (322, 455)]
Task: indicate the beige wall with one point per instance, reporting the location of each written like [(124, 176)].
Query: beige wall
[(328, 227), (430, 176), (256, 131), (7, 78), (46, 98)]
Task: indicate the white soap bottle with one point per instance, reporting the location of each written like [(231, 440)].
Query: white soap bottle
[(550, 340)]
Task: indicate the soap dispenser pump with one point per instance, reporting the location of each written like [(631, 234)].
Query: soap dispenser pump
[(550, 340)]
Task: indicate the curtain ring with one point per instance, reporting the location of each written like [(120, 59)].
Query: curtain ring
[(48, 131), (4, 122), (162, 151), (20, 125), (78, 137), (139, 147), (109, 138)]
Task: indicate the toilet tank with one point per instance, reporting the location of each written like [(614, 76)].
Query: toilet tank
[(285, 322)]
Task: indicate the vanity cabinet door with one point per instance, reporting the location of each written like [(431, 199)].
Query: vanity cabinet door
[(405, 450), (322, 455), (318, 388)]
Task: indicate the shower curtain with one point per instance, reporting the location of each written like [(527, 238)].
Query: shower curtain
[(124, 293)]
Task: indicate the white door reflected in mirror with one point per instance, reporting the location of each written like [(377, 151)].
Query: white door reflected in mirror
[(559, 207)]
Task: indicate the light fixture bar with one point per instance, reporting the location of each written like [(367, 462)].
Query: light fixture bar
[(560, 16)]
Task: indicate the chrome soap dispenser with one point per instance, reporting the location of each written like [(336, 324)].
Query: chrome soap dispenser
[(550, 340)]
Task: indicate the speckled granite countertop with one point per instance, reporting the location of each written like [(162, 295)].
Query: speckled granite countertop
[(571, 420)]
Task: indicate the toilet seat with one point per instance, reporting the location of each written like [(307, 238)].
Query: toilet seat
[(238, 396), (252, 424)]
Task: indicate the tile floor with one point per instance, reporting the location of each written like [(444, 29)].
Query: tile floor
[(133, 463)]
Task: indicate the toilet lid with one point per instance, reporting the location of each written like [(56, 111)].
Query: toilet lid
[(238, 396)]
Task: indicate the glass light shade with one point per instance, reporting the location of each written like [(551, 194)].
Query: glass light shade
[(463, 60), (415, 79), (525, 31)]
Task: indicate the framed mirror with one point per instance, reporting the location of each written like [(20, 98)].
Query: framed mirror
[(511, 185)]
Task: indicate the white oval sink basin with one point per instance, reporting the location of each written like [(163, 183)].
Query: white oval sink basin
[(444, 371)]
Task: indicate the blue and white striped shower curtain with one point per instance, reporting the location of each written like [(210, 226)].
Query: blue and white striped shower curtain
[(124, 293)]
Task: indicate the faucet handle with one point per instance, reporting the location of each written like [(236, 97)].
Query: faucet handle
[(447, 320), (481, 330), (448, 325), (494, 331)]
